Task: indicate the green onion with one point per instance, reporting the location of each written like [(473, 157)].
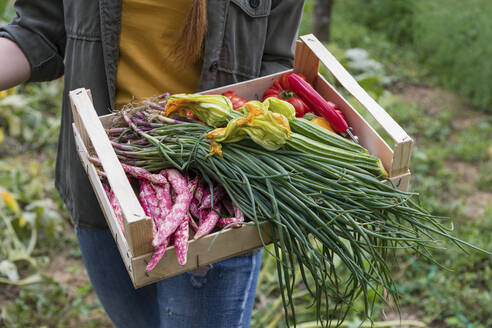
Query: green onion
[(323, 198)]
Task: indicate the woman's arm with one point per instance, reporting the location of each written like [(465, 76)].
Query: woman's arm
[(14, 67), (37, 34)]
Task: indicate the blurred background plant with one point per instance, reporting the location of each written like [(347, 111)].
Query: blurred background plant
[(401, 52), (450, 38), (7, 11), (42, 279)]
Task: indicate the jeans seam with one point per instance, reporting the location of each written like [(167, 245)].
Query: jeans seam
[(248, 288)]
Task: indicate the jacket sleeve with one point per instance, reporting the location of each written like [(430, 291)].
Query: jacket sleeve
[(39, 31), (283, 26)]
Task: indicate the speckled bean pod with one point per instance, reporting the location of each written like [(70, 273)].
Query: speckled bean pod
[(194, 211), (238, 218), (115, 205), (150, 205), (136, 172), (157, 255), (203, 215), (194, 214), (199, 191), (192, 184), (163, 195), (193, 224), (228, 206), (178, 211), (181, 242), (207, 198), (209, 222)]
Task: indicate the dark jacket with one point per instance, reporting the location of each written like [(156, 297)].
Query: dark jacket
[(80, 39)]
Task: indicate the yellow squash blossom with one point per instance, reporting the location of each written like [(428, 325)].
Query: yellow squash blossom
[(214, 110), (266, 128), (10, 201)]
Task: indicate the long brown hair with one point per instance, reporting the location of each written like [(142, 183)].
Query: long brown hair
[(189, 47)]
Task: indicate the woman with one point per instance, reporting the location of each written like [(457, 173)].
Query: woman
[(120, 49)]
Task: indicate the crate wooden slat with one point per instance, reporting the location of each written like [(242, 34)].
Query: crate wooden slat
[(403, 143), (198, 253), (232, 242), (136, 248), (137, 225)]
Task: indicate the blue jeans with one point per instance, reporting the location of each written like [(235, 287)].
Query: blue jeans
[(223, 296)]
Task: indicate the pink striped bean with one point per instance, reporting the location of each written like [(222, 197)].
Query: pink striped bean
[(208, 223), (115, 205), (157, 255), (199, 191), (148, 200), (181, 242), (238, 218), (178, 211), (218, 193), (136, 172)]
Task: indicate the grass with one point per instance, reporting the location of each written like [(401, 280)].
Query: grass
[(484, 182)]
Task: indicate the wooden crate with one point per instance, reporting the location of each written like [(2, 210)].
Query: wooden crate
[(136, 247)]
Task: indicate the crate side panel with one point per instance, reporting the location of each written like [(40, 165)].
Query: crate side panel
[(251, 89), (227, 244), (167, 266), (401, 158), (232, 241), (137, 226), (90, 122), (103, 201), (306, 62), (107, 120)]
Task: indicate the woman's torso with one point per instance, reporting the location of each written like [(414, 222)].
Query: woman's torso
[(147, 65), (234, 50)]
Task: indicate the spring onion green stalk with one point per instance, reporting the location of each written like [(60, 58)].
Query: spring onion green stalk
[(319, 134), (271, 133), (332, 218)]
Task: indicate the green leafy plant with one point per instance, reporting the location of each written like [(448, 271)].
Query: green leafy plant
[(6, 10), (453, 38), (484, 182), (473, 143), (392, 17), (450, 37), (30, 117)]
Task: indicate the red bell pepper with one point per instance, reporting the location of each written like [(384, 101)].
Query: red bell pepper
[(281, 89)]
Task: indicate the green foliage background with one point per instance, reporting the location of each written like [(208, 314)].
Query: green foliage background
[(450, 37)]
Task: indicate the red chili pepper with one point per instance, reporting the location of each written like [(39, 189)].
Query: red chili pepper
[(237, 101), (337, 109), (281, 89), (321, 107)]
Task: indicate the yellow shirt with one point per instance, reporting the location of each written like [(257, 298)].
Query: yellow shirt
[(149, 31)]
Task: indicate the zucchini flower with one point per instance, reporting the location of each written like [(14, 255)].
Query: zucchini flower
[(266, 128), (280, 106), (214, 110)]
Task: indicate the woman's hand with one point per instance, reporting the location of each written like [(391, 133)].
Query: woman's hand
[(14, 67)]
